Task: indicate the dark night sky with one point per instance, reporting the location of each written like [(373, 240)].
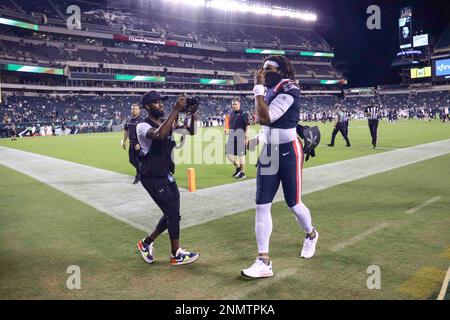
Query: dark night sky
[(370, 52)]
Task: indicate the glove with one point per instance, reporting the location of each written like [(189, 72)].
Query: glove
[(300, 129), (311, 138), (312, 154)]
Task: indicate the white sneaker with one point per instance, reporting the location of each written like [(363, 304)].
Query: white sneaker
[(258, 270), (183, 257), (146, 251), (309, 246)]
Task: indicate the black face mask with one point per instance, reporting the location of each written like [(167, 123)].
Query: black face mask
[(272, 78)]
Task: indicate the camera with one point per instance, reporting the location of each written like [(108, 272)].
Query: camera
[(192, 104)]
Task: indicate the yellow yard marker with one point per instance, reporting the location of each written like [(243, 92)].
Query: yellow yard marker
[(423, 283), (445, 254), (191, 180)]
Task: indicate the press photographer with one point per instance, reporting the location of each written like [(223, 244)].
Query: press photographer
[(155, 138)]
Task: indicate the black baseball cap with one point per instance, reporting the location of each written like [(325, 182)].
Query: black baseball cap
[(152, 96)]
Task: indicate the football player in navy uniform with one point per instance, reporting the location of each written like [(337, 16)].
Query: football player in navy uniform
[(281, 160)]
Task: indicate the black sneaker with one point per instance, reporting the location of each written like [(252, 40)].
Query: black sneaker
[(238, 170), (241, 176), (330, 145), (136, 179)]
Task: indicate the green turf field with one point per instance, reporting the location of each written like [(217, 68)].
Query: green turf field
[(104, 150), (43, 231)]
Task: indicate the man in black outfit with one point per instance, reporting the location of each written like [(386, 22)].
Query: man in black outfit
[(130, 132), (237, 139), (373, 115), (340, 125), (157, 169)]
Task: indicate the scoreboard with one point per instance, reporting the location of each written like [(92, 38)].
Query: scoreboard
[(418, 73), (405, 28), (442, 70)]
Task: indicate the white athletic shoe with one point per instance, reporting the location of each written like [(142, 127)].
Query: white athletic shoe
[(258, 270), (309, 246), (146, 251)]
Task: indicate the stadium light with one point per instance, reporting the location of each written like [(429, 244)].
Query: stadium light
[(245, 6), (193, 3), (227, 5), (278, 12), (261, 10)]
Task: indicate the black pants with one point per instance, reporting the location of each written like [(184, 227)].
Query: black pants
[(342, 128), (166, 195), (133, 157), (373, 126)]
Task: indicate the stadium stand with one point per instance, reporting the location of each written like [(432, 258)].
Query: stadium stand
[(43, 109), (91, 69)]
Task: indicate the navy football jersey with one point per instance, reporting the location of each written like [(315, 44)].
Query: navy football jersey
[(292, 116)]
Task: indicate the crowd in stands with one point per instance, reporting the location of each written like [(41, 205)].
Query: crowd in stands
[(57, 54), (94, 17), (88, 113), (25, 110), (30, 109), (55, 50)]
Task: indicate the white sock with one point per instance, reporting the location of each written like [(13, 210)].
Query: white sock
[(303, 217), (263, 226)]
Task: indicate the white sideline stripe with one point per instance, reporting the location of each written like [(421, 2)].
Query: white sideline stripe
[(359, 237), (314, 179), (423, 205), (106, 191), (113, 193), (260, 284), (444, 286)]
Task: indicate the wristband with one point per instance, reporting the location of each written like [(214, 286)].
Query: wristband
[(258, 90)]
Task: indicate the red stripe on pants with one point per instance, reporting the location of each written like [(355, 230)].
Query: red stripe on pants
[(297, 168), (301, 166)]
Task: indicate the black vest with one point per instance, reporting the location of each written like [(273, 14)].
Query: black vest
[(158, 160), (131, 125)]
